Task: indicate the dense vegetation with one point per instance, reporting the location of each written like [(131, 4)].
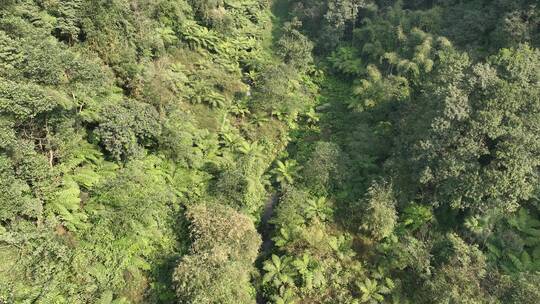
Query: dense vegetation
[(257, 151)]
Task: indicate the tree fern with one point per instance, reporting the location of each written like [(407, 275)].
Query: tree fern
[(278, 271), (309, 272), (285, 296), (286, 172), (86, 177), (167, 35), (82, 153), (106, 297), (283, 237), (197, 36), (66, 203), (318, 209), (347, 61)]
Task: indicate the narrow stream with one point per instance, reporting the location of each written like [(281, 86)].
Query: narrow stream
[(266, 227)]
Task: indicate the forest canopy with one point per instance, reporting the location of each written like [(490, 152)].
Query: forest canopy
[(259, 151)]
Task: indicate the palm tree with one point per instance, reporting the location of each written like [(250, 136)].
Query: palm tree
[(167, 35), (252, 76), (529, 232), (258, 119), (341, 247), (215, 100), (480, 226), (278, 114), (253, 149), (239, 109), (278, 271), (197, 36), (309, 272), (318, 208), (231, 139), (286, 172), (285, 296), (283, 237), (373, 292)]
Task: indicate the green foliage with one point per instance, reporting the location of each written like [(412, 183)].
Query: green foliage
[(482, 140), (278, 271), (372, 292), (318, 209), (375, 90), (66, 203), (197, 36), (279, 87), (217, 272), (523, 289), (415, 216), (16, 197), (514, 245), (27, 101), (243, 186), (111, 120), (295, 48), (328, 20), (286, 172), (347, 61), (309, 271), (378, 211), (446, 113), (326, 169), (459, 277), (138, 140), (125, 128)]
